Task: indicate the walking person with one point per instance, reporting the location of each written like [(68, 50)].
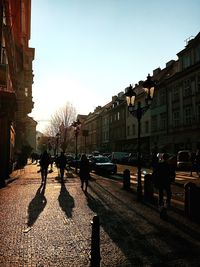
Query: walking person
[(61, 164), (154, 160), (84, 172), (45, 160), (163, 176)]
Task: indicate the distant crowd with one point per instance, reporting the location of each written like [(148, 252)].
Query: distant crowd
[(45, 160), (163, 173)]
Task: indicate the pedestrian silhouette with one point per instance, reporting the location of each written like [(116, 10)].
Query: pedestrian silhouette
[(163, 175), (84, 172), (45, 160), (61, 164), (154, 160)]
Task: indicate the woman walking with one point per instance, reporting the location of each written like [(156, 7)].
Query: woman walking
[(44, 164), (84, 172)]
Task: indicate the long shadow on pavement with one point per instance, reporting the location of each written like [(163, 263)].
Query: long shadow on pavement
[(66, 201), (128, 236), (37, 205), (114, 224)]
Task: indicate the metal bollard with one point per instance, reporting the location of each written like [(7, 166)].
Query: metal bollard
[(126, 179), (189, 188), (192, 198), (95, 243)]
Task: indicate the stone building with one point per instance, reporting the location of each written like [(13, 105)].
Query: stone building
[(175, 111), (171, 124), (16, 79), (117, 123)]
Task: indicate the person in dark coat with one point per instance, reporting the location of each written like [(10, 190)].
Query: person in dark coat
[(45, 160), (163, 176), (154, 160), (61, 164), (84, 172)]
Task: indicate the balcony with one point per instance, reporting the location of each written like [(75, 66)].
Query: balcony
[(8, 104)]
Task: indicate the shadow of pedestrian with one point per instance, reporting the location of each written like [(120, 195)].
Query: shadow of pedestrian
[(66, 201), (132, 229), (37, 205)]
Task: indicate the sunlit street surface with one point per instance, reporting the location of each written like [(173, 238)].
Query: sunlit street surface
[(53, 227)]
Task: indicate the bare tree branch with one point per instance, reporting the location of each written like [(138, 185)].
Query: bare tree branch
[(60, 122)]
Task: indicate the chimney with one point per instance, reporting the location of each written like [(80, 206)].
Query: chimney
[(156, 71)]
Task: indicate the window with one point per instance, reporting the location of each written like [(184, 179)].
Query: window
[(197, 54), (128, 130), (162, 97), (26, 92), (176, 118), (162, 121), (186, 61), (188, 115), (155, 100), (198, 83), (198, 112), (118, 115), (146, 126), (175, 94), (105, 121), (154, 123), (187, 90), (133, 129)]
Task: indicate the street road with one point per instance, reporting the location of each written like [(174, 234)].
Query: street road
[(178, 192), (50, 225)]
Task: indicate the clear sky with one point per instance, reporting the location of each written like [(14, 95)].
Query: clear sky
[(87, 51)]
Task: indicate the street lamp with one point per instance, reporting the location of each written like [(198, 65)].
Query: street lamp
[(138, 112), (76, 126), (57, 142), (85, 134)]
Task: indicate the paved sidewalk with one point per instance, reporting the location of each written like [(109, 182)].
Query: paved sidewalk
[(52, 227)]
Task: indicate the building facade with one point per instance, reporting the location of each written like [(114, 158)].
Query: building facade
[(173, 121), (16, 80)]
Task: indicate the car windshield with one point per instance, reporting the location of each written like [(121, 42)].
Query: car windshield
[(184, 156), (102, 160)]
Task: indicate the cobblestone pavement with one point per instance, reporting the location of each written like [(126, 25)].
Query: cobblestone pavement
[(52, 228)]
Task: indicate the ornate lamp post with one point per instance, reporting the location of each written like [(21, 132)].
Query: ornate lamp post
[(76, 125), (138, 112), (85, 134), (57, 142)]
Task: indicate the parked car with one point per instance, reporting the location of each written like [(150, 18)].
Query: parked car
[(133, 159), (102, 164), (173, 160), (70, 159), (184, 160), (120, 157)]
